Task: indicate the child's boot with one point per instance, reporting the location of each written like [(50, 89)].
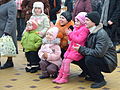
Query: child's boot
[(64, 79), (34, 68), (44, 75), (59, 76), (28, 68)]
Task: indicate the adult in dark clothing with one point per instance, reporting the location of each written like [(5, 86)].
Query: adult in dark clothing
[(109, 18), (100, 54), (27, 6), (20, 20), (8, 25), (69, 5), (97, 5), (81, 6), (54, 9)]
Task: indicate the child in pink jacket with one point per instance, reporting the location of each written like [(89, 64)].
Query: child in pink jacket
[(50, 54), (77, 36)]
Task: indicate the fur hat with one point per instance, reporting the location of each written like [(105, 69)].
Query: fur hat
[(67, 15), (94, 17), (38, 5), (54, 31), (34, 25), (81, 17)]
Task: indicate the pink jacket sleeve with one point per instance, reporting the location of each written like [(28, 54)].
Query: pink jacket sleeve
[(81, 37)]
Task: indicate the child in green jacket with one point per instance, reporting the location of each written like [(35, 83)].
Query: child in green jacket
[(31, 42)]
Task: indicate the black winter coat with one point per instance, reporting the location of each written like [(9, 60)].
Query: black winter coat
[(99, 45), (54, 10)]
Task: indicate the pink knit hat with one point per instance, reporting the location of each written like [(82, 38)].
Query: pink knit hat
[(53, 31), (34, 25), (81, 17)]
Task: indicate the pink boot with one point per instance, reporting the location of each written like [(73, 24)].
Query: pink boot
[(64, 79), (58, 77)]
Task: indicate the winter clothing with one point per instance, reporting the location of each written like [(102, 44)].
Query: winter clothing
[(97, 5), (38, 5), (52, 48), (100, 54), (113, 15), (27, 6), (77, 36), (33, 61), (34, 25), (62, 35), (69, 5), (42, 19), (81, 6), (81, 17), (49, 67), (67, 15), (8, 24), (31, 41), (54, 10), (20, 20), (94, 17)]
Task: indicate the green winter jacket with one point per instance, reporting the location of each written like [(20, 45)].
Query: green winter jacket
[(31, 41)]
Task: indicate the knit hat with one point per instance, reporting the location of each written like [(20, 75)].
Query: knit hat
[(81, 17), (53, 31), (94, 17), (38, 5), (67, 15), (34, 25)]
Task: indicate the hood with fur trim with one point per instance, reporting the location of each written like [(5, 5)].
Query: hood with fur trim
[(38, 5)]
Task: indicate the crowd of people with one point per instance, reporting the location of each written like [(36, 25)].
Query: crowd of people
[(86, 34)]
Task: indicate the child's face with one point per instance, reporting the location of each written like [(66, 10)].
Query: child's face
[(77, 22), (49, 36), (29, 26), (38, 10)]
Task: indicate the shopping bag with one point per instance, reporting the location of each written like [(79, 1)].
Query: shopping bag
[(7, 47)]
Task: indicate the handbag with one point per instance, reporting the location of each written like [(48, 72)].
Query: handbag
[(7, 47)]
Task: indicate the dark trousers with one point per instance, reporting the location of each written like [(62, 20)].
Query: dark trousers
[(112, 32), (20, 27), (32, 57), (62, 53), (93, 66), (49, 67)]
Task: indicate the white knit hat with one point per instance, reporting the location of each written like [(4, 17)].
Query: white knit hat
[(39, 5)]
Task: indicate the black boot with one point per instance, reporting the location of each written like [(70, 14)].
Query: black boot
[(44, 75), (99, 84), (8, 64), (34, 68), (28, 68)]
